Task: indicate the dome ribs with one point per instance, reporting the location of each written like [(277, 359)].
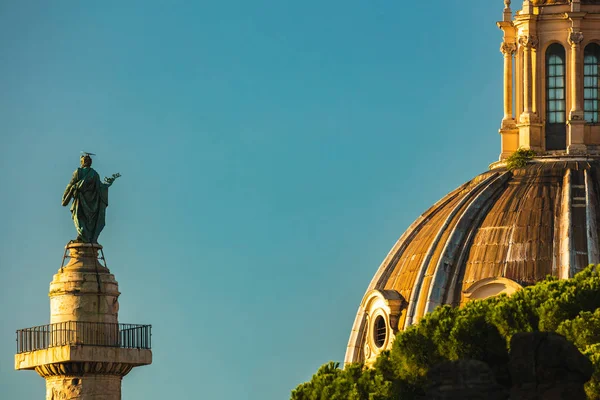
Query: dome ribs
[(494, 234), (412, 313), (518, 230), (354, 350), (445, 271), (403, 268), (385, 269)]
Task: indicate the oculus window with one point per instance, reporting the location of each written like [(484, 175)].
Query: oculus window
[(379, 331)]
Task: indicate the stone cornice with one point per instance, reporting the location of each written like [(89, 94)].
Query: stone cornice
[(551, 158)]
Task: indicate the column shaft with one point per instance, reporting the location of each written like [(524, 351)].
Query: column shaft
[(527, 80), (91, 387), (528, 43), (508, 50), (575, 38)]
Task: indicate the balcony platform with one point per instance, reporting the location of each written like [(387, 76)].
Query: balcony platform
[(82, 354)]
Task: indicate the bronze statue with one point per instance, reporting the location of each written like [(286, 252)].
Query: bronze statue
[(90, 199)]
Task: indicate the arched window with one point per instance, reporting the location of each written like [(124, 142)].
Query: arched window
[(556, 130), (591, 62)]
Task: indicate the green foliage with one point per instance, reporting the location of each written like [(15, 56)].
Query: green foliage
[(519, 159), (480, 330)]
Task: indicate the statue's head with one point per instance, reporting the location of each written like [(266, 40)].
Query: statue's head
[(86, 161)]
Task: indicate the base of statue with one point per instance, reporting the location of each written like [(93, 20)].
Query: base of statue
[(84, 257)]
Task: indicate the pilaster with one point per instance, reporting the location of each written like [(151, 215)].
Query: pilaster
[(508, 130), (530, 129), (576, 122)]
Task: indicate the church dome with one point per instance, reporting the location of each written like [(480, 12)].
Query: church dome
[(506, 229), (494, 234)]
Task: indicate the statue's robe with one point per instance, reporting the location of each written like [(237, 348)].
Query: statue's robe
[(90, 199)]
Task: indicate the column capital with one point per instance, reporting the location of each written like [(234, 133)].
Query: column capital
[(575, 38), (528, 41), (508, 49)]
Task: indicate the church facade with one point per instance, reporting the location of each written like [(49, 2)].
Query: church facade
[(508, 228)]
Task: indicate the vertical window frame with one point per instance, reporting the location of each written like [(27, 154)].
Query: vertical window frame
[(591, 87), (556, 84)]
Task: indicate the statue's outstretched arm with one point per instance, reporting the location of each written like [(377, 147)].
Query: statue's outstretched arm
[(109, 181)]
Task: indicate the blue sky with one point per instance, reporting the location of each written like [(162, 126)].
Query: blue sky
[(271, 153)]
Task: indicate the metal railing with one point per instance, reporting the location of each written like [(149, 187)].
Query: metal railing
[(102, 334)]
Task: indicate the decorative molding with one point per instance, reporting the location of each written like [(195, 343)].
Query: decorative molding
[(83, 368), (492, 286), (538, 3), (390, 301), (508, 49), (387, 304), (528, 41), (575, 38)]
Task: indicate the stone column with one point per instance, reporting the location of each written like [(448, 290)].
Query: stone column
[(576, 122), (84, 290), (528, 42), (509, 133), (84, 353), (85, 387), (508, 49), (575, 39), (530, 130)]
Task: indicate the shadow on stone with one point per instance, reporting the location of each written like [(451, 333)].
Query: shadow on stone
[(463, 379), (545, 365)]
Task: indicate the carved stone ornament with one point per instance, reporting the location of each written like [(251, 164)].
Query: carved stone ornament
[(367, 351), (83, 368), (528, 41), (575, 38), (508, 48)]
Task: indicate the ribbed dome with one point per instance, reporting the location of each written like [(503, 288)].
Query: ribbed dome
[(494, 234)]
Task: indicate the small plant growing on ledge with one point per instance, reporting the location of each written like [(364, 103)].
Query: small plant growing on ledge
[(519, 158)]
